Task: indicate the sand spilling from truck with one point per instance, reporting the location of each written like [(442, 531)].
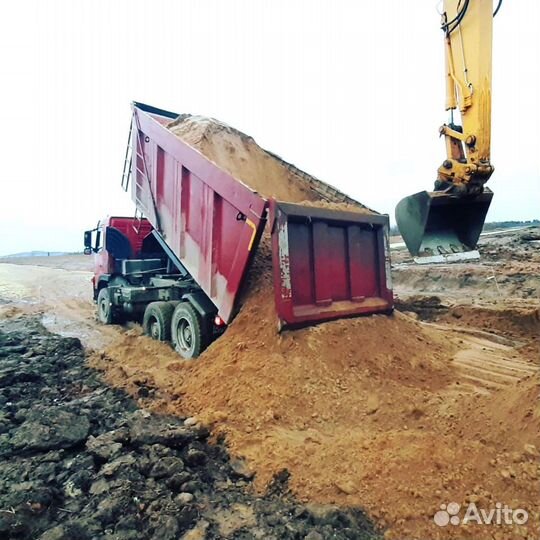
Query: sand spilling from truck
[(380, 412), (347, 407), (369, 411), (264, 172)]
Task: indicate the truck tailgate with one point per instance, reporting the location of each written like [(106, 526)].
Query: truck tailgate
[(328, 263)]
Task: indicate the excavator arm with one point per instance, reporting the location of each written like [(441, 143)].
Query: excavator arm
[(468, 43), (444, 225)]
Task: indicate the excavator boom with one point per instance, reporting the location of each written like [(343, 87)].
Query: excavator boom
[(445, 224)]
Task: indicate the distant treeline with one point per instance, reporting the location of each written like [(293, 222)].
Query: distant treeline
[(36, 254), (491, 226)]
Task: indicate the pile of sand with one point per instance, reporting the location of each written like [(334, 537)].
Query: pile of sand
[(291, 400), (262, 171), (368, 412)]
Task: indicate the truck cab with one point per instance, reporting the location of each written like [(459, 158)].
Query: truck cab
[(137, 277), (114, 240)]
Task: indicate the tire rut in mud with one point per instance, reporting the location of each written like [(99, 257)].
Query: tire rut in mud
[(80, 461)]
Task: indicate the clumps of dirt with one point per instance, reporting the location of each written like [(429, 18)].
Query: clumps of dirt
[(516, 246), (368, 412), (262, 171), (8, 311), (512, 321), (533, 235), (80, 461), (511, 417), (334, 404), (508, 269), (427, 308), (470, 282), (520, 323)]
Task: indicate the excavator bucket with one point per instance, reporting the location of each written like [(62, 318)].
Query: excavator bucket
[(441, 227)]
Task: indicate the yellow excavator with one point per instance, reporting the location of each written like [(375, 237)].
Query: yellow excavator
[(444, 225)]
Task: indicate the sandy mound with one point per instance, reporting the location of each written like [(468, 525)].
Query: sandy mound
[(381, 412), (368, 411), (262, 171), (506, 320)]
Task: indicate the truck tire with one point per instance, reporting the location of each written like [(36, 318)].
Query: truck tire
[(186, 331), (157, 320), (105, 309)]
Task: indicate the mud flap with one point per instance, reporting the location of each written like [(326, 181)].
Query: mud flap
[(440, 226)]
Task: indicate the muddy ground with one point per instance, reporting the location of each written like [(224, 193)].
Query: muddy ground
[(453, 418), (80, 460), (499, 295)]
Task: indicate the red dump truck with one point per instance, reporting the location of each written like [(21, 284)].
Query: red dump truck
[(181, 267)]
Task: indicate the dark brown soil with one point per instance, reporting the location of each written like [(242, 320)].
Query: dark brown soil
[(80, 461)]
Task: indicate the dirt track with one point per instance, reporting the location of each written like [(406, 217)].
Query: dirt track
[(59, 288), (435, 405)]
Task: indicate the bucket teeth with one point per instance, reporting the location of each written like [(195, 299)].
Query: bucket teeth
[(437, 223)]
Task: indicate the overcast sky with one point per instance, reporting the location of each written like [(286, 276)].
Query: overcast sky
[(351, 92)]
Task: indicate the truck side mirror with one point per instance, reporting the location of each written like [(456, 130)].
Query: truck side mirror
[(87, 242), (98, 246)]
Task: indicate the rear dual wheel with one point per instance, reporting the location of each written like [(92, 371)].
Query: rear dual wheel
[(187, 331), (178, 322), (157, 320), (105, 310)]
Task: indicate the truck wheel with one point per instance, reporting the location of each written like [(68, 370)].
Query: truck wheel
[(105, 311), (157, 320), (186, 331)]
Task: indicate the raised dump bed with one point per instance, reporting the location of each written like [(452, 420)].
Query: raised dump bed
[(208, 204)]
